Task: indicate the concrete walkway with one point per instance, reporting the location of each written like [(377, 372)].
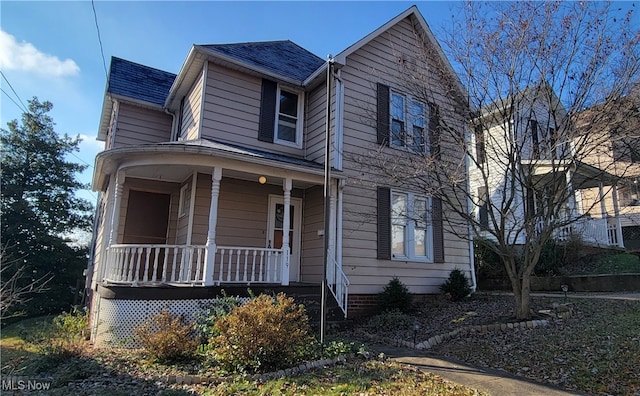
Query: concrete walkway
[(491, 381)]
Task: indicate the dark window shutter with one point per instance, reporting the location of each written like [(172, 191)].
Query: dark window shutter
[(383, 113), (384, 223), (438, 231), (267, 110), (434, 130)]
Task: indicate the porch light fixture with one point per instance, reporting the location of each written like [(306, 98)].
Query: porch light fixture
[(262, 179)]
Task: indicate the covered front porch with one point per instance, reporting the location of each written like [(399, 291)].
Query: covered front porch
[(575, 219), (187, 218)]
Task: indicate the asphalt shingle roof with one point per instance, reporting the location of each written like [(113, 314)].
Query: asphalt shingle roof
[(284, 58), (137, 81)]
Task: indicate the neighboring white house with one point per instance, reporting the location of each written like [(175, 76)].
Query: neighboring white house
[(524, 173)]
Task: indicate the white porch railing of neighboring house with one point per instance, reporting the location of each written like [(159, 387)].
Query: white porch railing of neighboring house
[(185, 265), (598, 232), (338, 283)]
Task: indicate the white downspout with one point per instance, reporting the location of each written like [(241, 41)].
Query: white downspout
[(339, 224), (470, 209), (338, 140), (174, 126)]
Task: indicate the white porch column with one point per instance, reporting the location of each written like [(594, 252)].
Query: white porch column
[(115, 215), (603, 206), (571, 194), (286, 225), (210, 251), (108, 270), (616, 213)]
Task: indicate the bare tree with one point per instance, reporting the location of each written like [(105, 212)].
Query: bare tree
[(549, 87), (16, 287)]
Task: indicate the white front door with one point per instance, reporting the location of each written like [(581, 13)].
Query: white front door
[(274, 230)]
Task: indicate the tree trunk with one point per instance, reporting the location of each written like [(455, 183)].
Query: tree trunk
[(522, 301), (521, 286)]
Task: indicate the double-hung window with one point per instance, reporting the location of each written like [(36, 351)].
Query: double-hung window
[(408, 123), (281, 115), (288, 118), (411, 230)]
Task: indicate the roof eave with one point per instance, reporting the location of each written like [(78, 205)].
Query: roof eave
[(341, 58), (102, 169)]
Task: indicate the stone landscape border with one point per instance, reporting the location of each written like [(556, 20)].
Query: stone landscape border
[(438, 339), (302, 368)]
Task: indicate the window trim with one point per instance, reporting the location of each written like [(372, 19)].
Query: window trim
[(299, 118), (182, 204), (409, 234), (408, 123)]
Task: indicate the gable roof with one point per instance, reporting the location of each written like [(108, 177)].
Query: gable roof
[(134, 82), (413, 11), (140, 82), (285, 58)]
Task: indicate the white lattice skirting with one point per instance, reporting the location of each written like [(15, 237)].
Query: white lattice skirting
[(115, 320)]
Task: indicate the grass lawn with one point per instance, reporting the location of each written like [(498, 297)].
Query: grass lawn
[(124, 372)]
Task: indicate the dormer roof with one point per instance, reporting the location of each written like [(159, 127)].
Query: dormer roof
[(285, 58)]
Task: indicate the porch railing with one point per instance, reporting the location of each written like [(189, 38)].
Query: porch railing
[(338, 283), (186, 265), (247, 265), (592, 231), (155, 264)]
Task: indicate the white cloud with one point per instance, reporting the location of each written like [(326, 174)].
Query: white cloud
[(90, 142), (26, 57)]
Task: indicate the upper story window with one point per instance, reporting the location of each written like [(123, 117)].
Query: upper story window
[(408, 123), (405, 122), (481, 154), (281, 112), (288, 126)]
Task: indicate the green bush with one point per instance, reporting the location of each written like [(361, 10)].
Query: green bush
[(457, 286), (488, 263), (395, 297), (390, 321), (264, 334), (167, 338), (59, 339), (551, 259), (210, 313)]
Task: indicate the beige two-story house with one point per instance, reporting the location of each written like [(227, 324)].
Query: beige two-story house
[(214, 177)]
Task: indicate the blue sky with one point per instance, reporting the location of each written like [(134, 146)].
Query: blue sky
[(51, 49)]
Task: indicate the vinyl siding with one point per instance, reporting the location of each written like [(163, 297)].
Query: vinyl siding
[(232, 111), (139, 125), (312, 245), (242, 211), (191, 110), (316, 124), (377, 62)]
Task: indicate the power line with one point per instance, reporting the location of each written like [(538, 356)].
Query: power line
[(16, 103), (23, 108), (95, 19)]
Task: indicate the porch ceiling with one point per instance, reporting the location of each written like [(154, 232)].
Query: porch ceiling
[(176, 161), (583, 175)]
